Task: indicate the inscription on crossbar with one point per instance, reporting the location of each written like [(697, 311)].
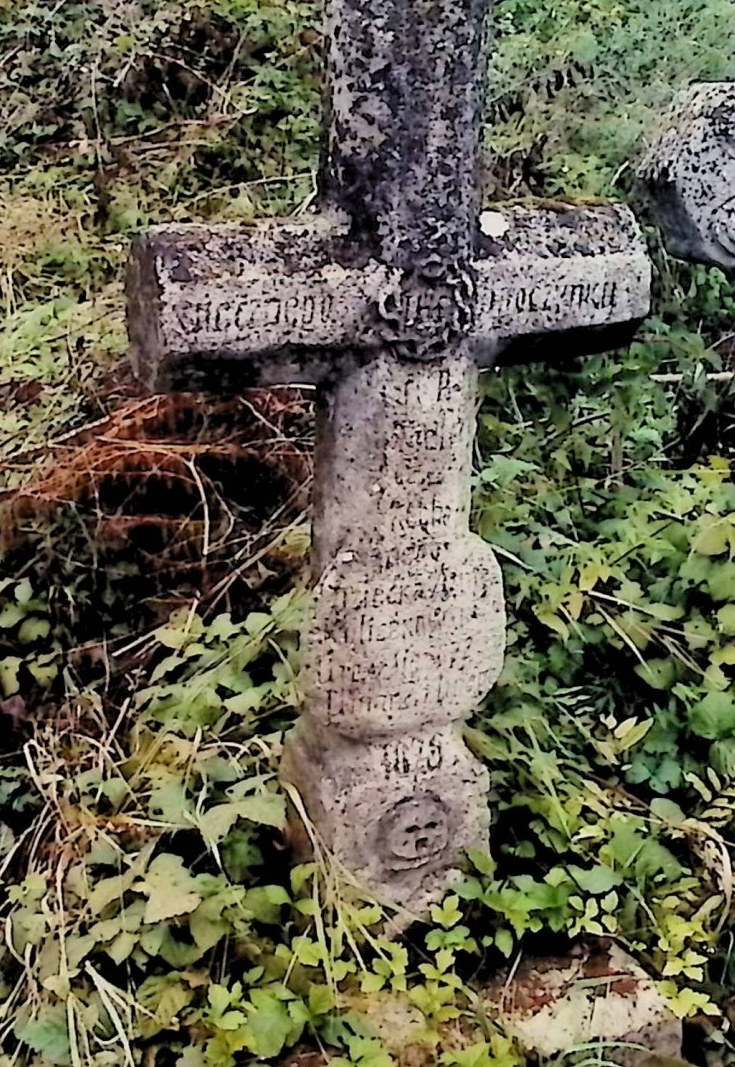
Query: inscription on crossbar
[(203, 305)]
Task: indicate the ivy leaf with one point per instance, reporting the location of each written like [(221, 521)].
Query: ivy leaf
[(170, 888)]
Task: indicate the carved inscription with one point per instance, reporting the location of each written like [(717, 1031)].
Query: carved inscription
[(305, 311), (297, 311), (408, 627), (544, 295), (413, 756), (599, 296), (334, 307)]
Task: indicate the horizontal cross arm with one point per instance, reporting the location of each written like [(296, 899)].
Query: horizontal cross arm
[(294, 302)]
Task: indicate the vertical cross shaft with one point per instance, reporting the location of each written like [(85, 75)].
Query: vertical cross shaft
[(408, 629), (405, 82)]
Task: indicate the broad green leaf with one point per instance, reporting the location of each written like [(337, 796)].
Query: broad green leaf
[(47, 1034), (170, 888), (504, 941), (24, 592), (726, 619), (9, 668), (597, 881), (714, 537), (11, 615), (713, 717), (267, 809), (667, 811), (192, 1057), (264, 902), (33, 629), (269, 1025), (321, 999), (163, 997)]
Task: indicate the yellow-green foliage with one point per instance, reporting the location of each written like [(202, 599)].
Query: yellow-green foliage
[(153, 913)]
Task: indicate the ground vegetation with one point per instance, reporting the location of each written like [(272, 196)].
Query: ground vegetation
[(153, 558)]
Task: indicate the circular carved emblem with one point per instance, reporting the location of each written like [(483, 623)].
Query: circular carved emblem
[(414, 832)]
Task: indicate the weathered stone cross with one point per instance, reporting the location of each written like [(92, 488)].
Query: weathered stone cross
[(389, 300)]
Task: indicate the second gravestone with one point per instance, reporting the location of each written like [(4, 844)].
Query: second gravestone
[(390, 300)]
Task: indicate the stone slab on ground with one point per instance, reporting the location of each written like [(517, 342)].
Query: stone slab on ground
[(598, 999)]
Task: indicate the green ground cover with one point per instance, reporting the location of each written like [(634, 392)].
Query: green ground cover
[(152, 914)]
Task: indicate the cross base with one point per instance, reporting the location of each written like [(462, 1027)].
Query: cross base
[(396, 814)]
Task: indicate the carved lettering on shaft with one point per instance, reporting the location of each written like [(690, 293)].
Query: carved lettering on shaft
[(403, 757), (409, 618)]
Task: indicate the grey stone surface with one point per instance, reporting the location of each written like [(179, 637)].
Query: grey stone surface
[(389, 299), (409, 611), (595, 1000), (396, 812), (297, 301), (689, 172)]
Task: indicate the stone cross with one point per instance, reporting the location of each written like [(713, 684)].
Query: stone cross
[(689, 172), (389, 300)]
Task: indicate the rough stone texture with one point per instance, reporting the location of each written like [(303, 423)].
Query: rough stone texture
[(409, 608), (396, 812), (405, 87), (298, 301), (598, 998), (408, 630), (389, 299), (689, 173)]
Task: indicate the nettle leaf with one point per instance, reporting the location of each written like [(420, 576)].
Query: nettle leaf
[(162, 997), (48, 1035), (170, 888), (713, 717)]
